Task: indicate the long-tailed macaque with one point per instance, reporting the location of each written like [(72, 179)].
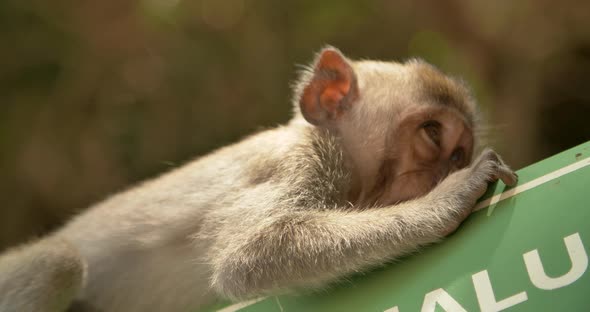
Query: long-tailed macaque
[(376, 163)]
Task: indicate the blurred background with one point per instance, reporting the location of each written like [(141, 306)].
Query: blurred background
[(97, 95)]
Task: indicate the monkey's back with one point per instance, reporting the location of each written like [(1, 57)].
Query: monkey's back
[(140, 245)]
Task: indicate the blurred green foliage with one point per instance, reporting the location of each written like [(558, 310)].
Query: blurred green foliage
[(96, 95)]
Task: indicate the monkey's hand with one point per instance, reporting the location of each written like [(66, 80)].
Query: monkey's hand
[(471, 183)]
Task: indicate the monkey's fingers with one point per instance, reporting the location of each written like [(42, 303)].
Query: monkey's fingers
[(500, 169), (507, 176), (487, 154)]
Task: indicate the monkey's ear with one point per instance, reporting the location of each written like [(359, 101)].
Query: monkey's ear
[(331, 89)]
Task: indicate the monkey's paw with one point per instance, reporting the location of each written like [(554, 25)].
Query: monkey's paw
[(488, 167)]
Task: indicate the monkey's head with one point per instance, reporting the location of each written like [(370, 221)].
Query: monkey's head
[(403, 127)]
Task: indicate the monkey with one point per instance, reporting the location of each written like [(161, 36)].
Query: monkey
[(376, 163)]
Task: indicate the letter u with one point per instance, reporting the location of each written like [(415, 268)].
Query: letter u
[(578, 258)]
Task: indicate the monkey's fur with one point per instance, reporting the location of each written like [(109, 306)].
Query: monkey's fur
[(375, 163)]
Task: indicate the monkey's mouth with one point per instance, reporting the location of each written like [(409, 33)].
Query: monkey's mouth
[(410, 185)]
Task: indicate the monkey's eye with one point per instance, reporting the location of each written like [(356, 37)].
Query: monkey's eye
[(432, 129), (458, 157)]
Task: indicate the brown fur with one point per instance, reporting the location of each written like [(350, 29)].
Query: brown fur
[(301, 205), (444, 90)]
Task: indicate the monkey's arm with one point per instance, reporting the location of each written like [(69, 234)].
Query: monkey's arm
[(310, 248), (43, 276)]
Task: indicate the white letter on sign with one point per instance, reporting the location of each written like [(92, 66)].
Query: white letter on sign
[(485, 294), (441, 297), (578, 257)]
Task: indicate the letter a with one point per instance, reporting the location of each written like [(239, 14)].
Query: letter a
[(443, 298)]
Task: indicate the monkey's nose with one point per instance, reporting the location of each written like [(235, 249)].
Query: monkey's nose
[(444, 171)]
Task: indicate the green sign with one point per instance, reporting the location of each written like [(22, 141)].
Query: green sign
[(526, 250)]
